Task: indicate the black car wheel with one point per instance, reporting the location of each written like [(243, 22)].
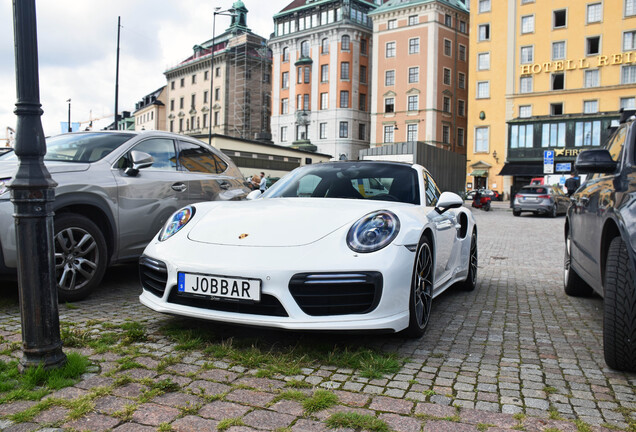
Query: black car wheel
[(421, 297), (516, 212), (471, 280), (572, 283), (554, 211), (80, 256), (619, 317)]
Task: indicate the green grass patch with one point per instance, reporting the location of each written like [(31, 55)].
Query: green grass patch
[(581, 426), (484, 426), (128, 363), (549, 390), (293, 395), (164, 427), (320, 400), (298, 384), (133, 332), (228, 423), (357, 421)]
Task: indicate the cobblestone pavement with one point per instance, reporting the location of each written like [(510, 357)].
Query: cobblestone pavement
[(515, 354)]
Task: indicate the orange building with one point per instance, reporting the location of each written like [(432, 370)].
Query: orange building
[(420, 73)]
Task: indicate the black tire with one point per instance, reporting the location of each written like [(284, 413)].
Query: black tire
[(471, 279), (421, 297), (554, 211), (572, 283), (80, 256), (487, 206), (516, 212), (619, 316)]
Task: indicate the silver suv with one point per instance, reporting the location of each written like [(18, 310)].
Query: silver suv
[(115, 191)]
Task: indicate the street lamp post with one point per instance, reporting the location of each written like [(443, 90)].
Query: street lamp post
[(217, 11), (32, 194), (70, 129)]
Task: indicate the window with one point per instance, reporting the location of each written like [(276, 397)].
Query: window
[(414, 74), (483, 61), (307, 74), (344, 70), (324, 46), (593, 45), (217, 72), (461, 80), (206, 75), (446, 76), (363, 46), (461, 108), (171, 85), (587, 133), (390, 49), (462, 52), (163, 152), (299, 74), (558, 50), (194, 79), (558, 81), (446, 106), (413, 20), (363, 74), (525, 84), (285, 80), (590, 107), (324, 101), (195, 158), (344, 99), (460, 137), (414, 46), (553, 135), (630, 7), (283, 133), (171, 125), (388, 133), (171, 104), (592, 78), (483, 89), (484, 6), (462, 26), (559, 18), (324, 73), (363, 102), (217, 94), (411, 132), (344, 129), (299, 102), (525, 111), (484, 32), (521, 136), (389, 105), (323, 130), (629, 41), (362, 131), (284, 106), (206, 94), (391, 24), (628, 75), (446, 134), (448, 20), (481, 140), (448, 47), (628, 103), (182, 82), (345, 43), (413, 102), (389, 78), (594, 13), (285, 54), (527, 24), (306, 102), (304, 49), (556, 108), (181, 102), (216, 118), (527, 54)]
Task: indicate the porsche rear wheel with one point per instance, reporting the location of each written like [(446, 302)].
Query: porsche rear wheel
[(421, 297), (471, 280)]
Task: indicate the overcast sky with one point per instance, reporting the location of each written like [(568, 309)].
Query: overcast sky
[(77, 44)]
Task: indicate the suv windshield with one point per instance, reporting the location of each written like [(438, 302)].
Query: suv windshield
[(84, 147)]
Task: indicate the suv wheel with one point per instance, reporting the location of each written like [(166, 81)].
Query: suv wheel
[(619, 317), (80, 256), (516, 212), (572, 283)]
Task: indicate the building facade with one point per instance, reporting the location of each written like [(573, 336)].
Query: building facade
[(150, 111), (420, 73), (321, 89), (232, 96), (569, 68)]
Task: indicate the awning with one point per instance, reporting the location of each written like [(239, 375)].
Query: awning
[(479, 173), (515, 169)]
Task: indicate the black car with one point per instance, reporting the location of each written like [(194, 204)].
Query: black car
[(600, 240)]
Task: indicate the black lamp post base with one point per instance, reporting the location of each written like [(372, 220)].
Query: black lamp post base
[(48, 357)]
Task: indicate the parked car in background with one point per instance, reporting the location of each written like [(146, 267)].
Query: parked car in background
[(540, 199), (600, 240), (361, 245), (115, 191)]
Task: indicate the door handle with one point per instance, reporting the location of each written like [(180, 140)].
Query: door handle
[(179, 187)]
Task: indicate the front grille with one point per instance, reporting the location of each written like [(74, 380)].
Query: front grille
[(153, 275), (269, 305), (322, 294)]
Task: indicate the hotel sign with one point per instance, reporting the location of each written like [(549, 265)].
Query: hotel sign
[(583, 63)]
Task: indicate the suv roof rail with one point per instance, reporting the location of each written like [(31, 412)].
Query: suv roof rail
[(626, 114)]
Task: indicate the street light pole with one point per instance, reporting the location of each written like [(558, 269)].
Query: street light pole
[(32, 194), (217, 11), (70, 129)]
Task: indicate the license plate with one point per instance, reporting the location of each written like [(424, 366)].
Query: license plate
[(220, 286)]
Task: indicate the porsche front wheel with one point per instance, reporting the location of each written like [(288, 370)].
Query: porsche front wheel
[(421, 297)]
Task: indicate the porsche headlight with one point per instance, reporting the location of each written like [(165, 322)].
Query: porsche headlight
[(373, 231), (176, 222)]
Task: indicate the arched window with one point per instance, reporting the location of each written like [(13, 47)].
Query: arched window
[(304, 49), (345, 43), (324, 46), (285, 54)]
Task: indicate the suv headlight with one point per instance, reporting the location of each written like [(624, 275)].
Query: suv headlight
[(373, 231), (176, 222), (3, 185)]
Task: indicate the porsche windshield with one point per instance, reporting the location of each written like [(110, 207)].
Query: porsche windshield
[(353, 180)]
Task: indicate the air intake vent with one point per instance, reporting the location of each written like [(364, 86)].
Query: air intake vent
[(268, 306), (153, 275)]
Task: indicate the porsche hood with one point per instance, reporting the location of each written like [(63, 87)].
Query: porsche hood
[(277, 222)]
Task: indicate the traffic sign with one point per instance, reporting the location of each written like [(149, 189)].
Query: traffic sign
[(548, 161)]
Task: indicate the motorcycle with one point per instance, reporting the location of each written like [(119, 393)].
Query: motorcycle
[(481, 202)]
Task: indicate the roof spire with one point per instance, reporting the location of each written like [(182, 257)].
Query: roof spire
[(239, 19)]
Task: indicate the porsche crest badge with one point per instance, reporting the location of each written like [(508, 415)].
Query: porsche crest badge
[(242, 236)]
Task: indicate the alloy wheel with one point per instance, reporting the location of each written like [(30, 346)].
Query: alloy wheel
[(423, 288), (76, 258)]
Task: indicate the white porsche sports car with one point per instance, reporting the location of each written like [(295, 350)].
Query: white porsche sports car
[(331, 246)]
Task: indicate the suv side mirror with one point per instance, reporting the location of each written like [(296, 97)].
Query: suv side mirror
[(448, 200), (595, 161), (139, 161)]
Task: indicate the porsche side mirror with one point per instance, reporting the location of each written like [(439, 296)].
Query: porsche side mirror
[(139, 161), (253, 195), (595, 161), (448, 200)]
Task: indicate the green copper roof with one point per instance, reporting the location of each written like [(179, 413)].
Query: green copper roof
[(399, 4)]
